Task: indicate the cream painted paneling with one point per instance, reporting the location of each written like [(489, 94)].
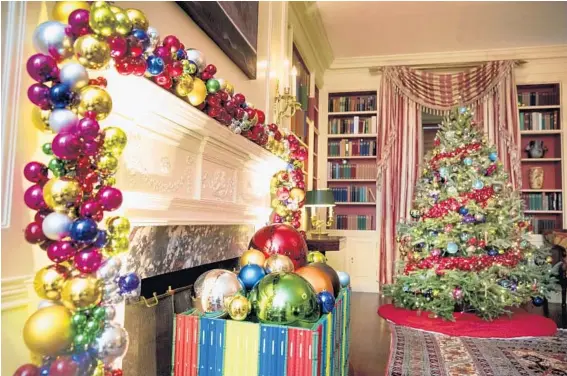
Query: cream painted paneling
[(358, 28)]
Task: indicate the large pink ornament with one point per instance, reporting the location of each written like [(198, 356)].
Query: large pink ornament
[(60, 251), (33, 197), (88, 128), (66, 146), (79, 22), (42, 68), (38, 94), (109, 198), (88, 260), (35, 172), (90, 208), (34, 233)]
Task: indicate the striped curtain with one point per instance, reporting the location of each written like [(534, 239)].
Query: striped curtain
[(405, 93)]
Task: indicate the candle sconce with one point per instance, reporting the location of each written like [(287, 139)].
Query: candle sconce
[(285, 105)]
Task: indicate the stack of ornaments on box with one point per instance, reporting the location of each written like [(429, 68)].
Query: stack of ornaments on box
[(279, 282)]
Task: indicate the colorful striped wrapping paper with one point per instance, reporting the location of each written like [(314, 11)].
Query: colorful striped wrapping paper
[(218, 347)]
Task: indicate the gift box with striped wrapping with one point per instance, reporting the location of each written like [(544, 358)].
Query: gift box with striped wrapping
[(218, 347)]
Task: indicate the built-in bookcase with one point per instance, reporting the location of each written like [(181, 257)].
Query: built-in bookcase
[(540, 121), (351, 158)]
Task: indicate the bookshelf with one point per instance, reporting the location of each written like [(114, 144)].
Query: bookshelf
[(540, 114), (351, 158)]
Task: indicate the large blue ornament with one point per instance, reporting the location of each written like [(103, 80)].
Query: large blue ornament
[(478, 184), (463, 210), (128, 282), (492, 251), (452, 248), (85, 361), (493, 156), (84, 230), (60, 95), (44, 370), (537, 301), (250, 275), (467, 161), (326, 300), (181, 54), (142, 36), (344, 278), (155, 65)]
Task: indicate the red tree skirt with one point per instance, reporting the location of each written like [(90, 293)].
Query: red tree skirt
[(521, 324)]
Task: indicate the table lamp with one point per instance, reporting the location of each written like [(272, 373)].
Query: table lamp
[(320, 198)]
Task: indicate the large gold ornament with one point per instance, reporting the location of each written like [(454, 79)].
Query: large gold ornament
[(48, 331), (316, 256), (62, 9), (252, 256), (138, 19), (40, 119), (102, 19), (49, 280), (117, 245), (115, 140), (96, 99), (239, 308), (123, 23), (277, 263), (92, 52), (184, 86), (118, 225), (297, 194), (81, 292), (199, 92), (107, 163), (60, 194)]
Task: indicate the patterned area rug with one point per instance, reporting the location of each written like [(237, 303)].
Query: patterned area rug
[(418, 353)]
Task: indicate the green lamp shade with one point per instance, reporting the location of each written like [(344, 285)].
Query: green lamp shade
[(320, 197)]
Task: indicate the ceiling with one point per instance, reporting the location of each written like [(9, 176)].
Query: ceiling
[(356, 28)]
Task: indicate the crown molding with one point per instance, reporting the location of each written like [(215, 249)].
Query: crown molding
[(310, 37), (15, 292), (526, 53)]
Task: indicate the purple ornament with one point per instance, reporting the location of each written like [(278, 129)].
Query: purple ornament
[(61, 251), (42, 68), (79, 21), (38, 94), (88, 128), (33, 197), (66, 146), (469, 218), (109, 198), (128, 282), (35, 172), (90, 148), (88, 260)]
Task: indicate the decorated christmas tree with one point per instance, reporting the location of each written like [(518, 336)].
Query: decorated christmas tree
[(465, 248)]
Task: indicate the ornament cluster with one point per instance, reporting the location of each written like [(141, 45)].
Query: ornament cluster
[(72, 189)]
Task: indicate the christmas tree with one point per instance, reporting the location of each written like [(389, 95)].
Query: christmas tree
[(465, 248)]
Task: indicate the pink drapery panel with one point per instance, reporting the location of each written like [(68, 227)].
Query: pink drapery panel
[(489, 89), (399, 155)]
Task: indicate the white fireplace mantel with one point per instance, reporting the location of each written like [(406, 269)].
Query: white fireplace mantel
[(181, 166)]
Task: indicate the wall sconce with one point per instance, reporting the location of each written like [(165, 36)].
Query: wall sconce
[(285, 105)]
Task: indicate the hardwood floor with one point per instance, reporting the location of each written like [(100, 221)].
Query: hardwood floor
[(370, 334)]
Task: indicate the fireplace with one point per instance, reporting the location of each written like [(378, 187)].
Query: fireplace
[(171, 257)]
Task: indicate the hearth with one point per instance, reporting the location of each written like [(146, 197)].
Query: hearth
[(171, 257)]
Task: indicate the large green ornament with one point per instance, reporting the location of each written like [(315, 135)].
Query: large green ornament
[(285, 299), (316, 256), (212, 86)]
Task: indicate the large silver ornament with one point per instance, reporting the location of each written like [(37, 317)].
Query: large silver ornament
[(112, 343)]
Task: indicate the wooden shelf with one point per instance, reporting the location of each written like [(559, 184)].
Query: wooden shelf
[(356, 203), (360, 135), (546, 131), (553, 107), (351, 180), (543, 211), (355, 157), (541, 190), (346, 113), (536, 160)]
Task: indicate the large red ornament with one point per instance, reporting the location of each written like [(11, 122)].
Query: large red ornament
[(281, 239)]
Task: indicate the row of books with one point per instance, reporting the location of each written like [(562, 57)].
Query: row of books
[(538, 121), (352, 103), (353, 222), (543, 201), (535, 98), (337, 170), (541, 226), (353, 194), (348, 148), (354, 125)]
